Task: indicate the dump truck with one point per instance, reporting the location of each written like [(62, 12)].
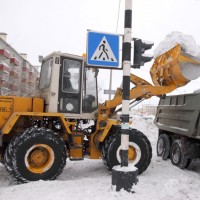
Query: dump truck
[(178, 121), (65, 120)]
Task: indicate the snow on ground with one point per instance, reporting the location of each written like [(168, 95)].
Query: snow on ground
[(89, 179)]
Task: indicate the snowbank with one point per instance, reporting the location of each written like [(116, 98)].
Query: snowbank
[(187, 42)]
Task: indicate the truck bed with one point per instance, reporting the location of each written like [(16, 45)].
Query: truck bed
[(179, 114)]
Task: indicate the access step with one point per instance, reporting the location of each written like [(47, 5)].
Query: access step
[(76, 150)]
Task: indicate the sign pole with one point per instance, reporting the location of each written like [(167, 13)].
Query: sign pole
[(126, 59), (110, 85), (124, 177)]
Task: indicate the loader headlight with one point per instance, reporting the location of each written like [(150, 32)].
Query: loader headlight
[(69, 107)]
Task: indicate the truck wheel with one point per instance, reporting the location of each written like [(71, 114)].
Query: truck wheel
[(177, 157), (163, 146), (175, 153), (185, 162), (139, 152), (36, 154)]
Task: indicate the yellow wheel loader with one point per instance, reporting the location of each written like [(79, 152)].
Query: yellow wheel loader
[(65, 120)]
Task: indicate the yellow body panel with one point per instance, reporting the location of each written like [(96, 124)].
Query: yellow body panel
[(76, 154), (6, 109), (15, 116), (22, 104), (12, 108), (38, 105), (77, 151), (95, 153), (12, 104)]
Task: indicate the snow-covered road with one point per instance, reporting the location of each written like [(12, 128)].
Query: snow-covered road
[(89, 179)]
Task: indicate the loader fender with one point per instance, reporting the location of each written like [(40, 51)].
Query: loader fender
[(107, 129)]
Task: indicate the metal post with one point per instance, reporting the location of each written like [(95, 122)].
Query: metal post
[(123, 176), (126, 58), (110, 85)]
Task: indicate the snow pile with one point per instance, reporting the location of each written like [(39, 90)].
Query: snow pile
[(187, 42)]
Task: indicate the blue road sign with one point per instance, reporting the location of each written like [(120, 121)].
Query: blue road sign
[(103, 50)]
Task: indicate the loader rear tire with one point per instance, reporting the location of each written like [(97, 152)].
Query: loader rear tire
[(139, 152), (36, 154)]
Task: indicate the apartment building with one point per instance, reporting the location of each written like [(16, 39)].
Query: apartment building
[(17, 76)]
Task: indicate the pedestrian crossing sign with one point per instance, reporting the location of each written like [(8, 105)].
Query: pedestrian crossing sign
[(103, 50)]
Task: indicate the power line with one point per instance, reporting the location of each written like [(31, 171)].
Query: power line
[(110, 83), (118, 15)]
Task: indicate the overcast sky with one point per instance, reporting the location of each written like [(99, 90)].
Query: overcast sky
[(38, 27)]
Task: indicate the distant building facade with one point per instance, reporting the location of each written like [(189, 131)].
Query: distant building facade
[(149, 109), (17, 76), (146, 109)]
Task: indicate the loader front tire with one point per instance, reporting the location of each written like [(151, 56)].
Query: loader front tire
[(139, 152), (36, 154)]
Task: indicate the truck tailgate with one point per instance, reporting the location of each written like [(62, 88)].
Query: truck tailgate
[(179, 114)]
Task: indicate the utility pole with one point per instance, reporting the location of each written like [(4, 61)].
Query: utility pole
[(110, 85), (126, 59), (123, 177)]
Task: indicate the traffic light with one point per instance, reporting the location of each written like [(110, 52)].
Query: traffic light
[(139, 48)]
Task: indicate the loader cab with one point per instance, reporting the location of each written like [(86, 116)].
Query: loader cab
[(67, 86)]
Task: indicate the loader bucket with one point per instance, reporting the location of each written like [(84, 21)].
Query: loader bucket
[(175, 67)]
